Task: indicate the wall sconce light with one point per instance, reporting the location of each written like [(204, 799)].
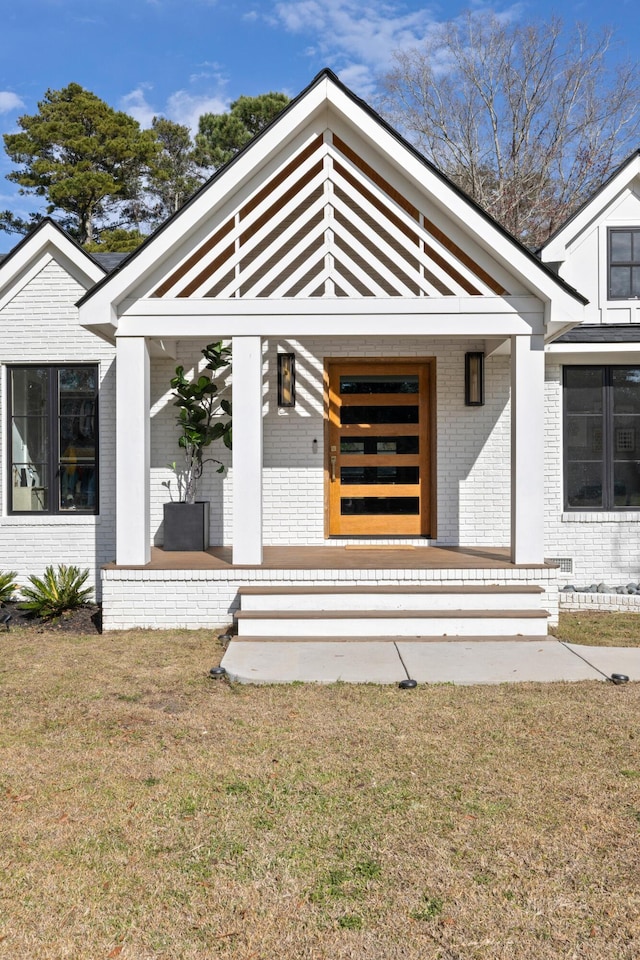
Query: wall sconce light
[(286, 380), (474, 379)]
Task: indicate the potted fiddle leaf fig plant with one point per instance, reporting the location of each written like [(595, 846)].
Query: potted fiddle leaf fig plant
[(186, 520)]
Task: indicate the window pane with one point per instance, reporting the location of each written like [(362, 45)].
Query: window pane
[(626, 484), (635, 281), (77, 486), (77, 380), (29, 391), (376, 445), (583, 393), (394, 414), (379, 474), (620, 282), (584, 439), (626, 438), (29, 439), (584, 484), (625, 382), (28, 487), (376, 506), (620, 246), (379, 384)]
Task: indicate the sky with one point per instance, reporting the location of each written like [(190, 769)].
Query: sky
[(182, 58)]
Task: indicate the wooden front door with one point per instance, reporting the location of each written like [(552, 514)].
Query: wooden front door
[(378, 449)]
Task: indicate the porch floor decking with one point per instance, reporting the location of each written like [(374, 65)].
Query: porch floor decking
[(352, 557)]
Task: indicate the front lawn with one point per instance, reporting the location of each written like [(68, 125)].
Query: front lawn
[(594, 629), (148, 812)]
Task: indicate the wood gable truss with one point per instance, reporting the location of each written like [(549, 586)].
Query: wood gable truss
[(328, 225)]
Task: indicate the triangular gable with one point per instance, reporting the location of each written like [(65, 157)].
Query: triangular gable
[(626, 178), (328, 224), (46, 242), (328, 203)]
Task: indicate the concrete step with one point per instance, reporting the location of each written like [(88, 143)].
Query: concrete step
[(388, 639), (399, 623), (410, 598)]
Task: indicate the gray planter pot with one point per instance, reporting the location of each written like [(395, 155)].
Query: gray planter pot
[(186, 526)]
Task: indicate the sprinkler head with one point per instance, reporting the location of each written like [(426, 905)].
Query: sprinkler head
[(217, 672), (408, 684), (619, 678)]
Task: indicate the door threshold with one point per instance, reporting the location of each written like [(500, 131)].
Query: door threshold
[(379, 546)]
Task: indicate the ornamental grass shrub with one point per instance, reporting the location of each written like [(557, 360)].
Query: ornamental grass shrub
[(57, 592), (7, 585)]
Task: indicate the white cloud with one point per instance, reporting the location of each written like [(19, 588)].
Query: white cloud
[(182, 106), (10, 101), (187, 108), (137, 105), (357, 40)]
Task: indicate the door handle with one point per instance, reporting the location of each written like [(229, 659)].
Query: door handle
[(333, 468)]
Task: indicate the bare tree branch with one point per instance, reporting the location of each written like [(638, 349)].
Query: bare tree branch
[(528, 119)]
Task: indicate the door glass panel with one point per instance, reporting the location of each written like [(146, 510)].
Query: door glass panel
[(380, 475), (401, 383), (373, 506), (395, 414), (371, 446)]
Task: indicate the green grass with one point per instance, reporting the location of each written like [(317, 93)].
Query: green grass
[(151, 813)]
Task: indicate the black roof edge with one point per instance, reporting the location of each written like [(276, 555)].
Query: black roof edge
[(326, 72), (603, 186), (36, 229)]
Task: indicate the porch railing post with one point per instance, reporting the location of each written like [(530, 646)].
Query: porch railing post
[(247, 450), (132, 451), (527, 449)]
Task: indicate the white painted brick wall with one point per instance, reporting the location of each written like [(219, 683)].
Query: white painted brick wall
[(40, 325), (603, 546), (196, 599)]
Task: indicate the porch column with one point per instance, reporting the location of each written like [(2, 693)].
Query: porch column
[(527, 449), (247, 449), (132, 451)]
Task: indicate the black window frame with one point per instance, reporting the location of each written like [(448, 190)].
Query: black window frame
[(635, 243), (608, 439), (52, 417)]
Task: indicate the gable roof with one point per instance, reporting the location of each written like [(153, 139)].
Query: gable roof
[(47, 240), (201, 225), (555, 248)]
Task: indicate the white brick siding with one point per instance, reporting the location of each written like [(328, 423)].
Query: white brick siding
[(196, 599), (40, 325)]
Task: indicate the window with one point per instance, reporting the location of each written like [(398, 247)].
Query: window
[(624, 264), (53, 462), (602, 438)]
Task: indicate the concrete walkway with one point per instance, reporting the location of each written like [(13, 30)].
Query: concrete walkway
[(460, 661)]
